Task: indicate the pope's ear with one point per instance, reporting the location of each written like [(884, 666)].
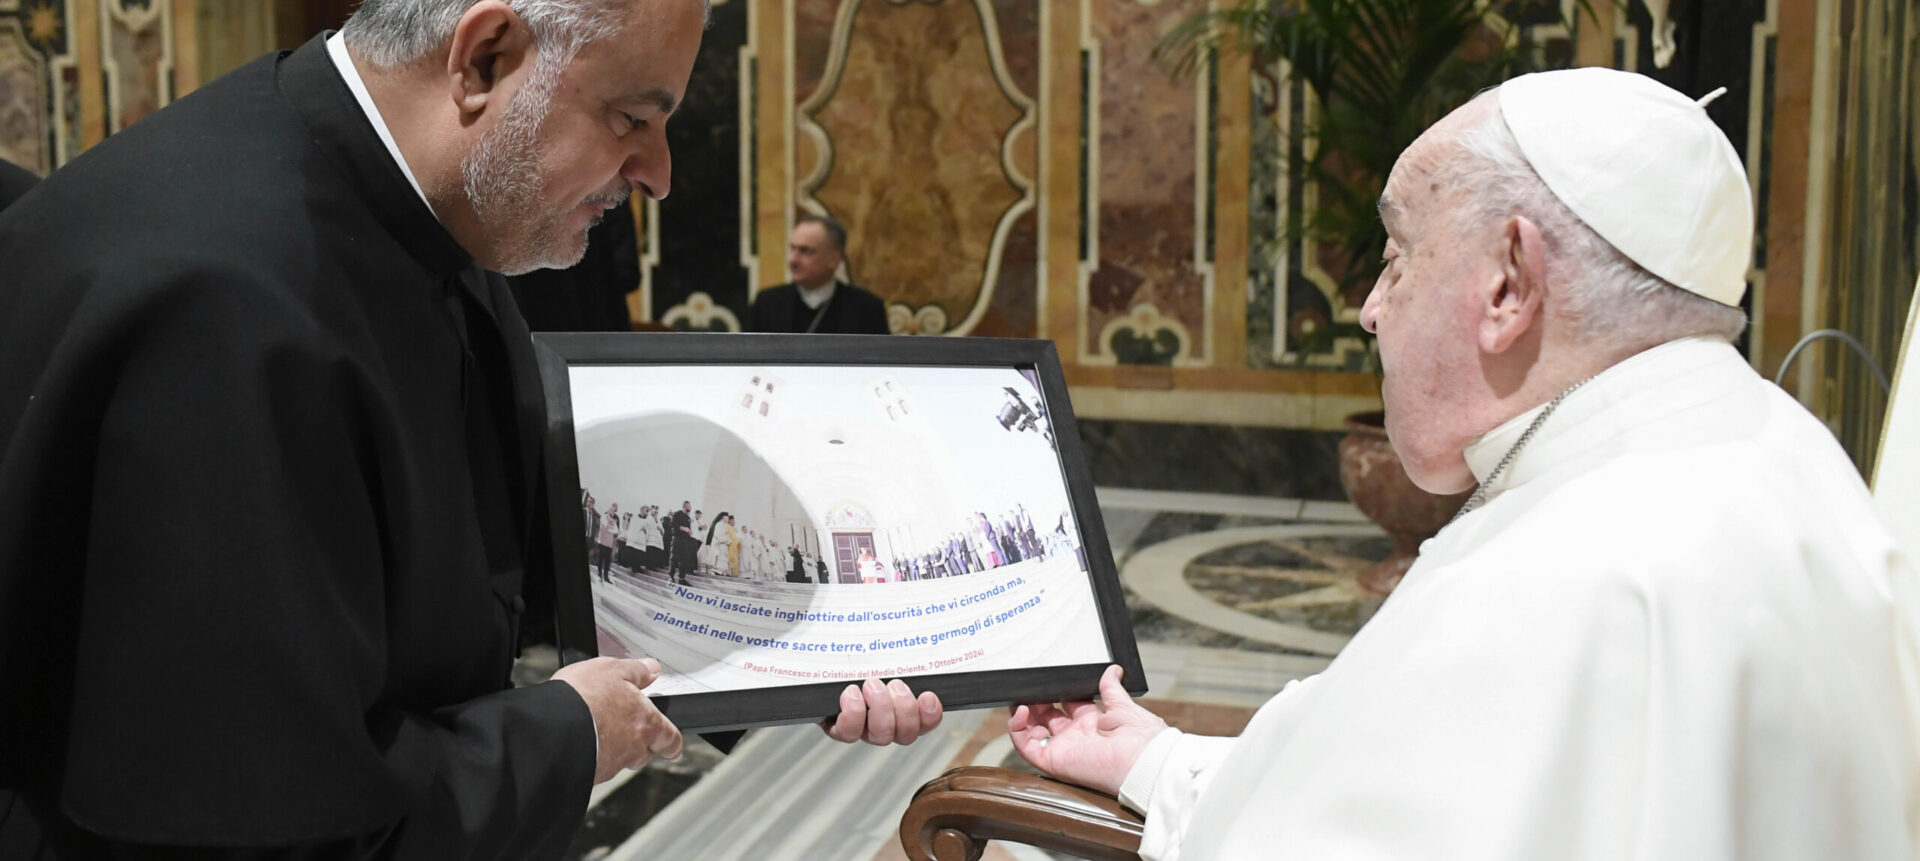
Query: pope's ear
[(489, 44), (1513, 303)]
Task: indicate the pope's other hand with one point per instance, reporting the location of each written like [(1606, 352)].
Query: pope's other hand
[(1092, 744)]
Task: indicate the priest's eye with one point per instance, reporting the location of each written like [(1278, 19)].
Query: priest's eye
[(632, 122)]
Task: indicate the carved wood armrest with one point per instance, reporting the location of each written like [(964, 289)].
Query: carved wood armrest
[(953, 816)]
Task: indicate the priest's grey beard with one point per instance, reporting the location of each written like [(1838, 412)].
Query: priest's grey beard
[(507, 188)]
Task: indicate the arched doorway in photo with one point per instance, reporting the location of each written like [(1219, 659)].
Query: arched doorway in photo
[(848, 549)]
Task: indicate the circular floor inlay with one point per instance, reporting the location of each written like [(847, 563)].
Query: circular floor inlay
[(1290, 586), (1305, 580)]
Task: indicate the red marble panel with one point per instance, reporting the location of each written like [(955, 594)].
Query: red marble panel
[(1020, 41), (1013, 311), (812, 43), (1147, 172)]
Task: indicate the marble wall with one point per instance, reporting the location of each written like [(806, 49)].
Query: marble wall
[(916, 125), (137, 59), (38, 108), (74, 71), (1031, 168), (1147, 262), (1028, 168)]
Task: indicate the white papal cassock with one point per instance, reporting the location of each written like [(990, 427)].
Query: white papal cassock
[(1675, 631)]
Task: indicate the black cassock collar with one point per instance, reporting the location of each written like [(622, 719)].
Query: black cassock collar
[(501, 388), (314, 88)]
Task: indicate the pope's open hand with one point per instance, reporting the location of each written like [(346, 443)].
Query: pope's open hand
[(631, 729), (1092, 744), (883, 714)]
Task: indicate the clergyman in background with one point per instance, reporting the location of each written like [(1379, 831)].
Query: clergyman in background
[(816, 301)]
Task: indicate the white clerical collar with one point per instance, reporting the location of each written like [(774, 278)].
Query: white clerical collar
[(1653, 384), (337, 50), (814, 298)]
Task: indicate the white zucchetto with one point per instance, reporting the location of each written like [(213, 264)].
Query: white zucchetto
[(1643, 166)]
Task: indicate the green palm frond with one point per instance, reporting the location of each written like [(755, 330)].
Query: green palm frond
[(1381, 71)]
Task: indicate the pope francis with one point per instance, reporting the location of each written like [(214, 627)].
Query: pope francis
[(1666, 625)]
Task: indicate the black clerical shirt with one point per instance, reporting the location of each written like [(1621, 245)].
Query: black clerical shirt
[(849, 311)]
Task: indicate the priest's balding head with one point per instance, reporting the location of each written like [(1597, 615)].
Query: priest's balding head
[(1539, 235), (524, 121)]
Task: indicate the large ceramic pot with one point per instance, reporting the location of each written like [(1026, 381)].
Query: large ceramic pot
[(1380, 488)]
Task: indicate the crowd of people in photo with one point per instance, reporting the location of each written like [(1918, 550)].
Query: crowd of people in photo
[(683, 542), (980, 544)]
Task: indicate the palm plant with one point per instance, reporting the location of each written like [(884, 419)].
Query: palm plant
[(1382, 71)]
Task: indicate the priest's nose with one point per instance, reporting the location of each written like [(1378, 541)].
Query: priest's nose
[(651, 169)]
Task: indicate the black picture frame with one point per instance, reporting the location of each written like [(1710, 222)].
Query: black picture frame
[(711, 711)]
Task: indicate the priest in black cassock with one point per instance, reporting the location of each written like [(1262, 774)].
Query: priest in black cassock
[(816, 301), (682, 547), (270, 483)]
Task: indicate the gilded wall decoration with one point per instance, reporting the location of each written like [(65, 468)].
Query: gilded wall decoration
[(919, 138), (1148, 180), (137, 60), (36, 111)]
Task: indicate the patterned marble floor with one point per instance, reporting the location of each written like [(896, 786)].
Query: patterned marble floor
[(1230, 598)]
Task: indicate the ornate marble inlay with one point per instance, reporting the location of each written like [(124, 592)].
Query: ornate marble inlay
[(23, 98), (1148, 146), (1298, 316), (1306, 581), (39, 114), (701, 314), (919, 140), (1147, 337), (138, 59), (1289, 585)]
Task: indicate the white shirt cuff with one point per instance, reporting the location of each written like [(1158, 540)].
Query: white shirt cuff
[(1137, 789)]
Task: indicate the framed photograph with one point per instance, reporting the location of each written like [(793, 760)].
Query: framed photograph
[(773, 517)]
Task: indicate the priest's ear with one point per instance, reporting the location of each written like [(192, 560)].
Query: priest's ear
[(1512, 304), (490, 47)]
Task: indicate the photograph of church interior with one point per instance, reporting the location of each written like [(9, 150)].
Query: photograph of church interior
[(1493, 409)]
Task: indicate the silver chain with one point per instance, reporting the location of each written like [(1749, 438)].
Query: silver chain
[(1480, 493)]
